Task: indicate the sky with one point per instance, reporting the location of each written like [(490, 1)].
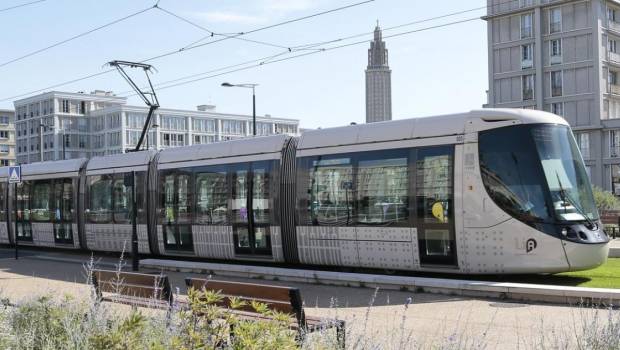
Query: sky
[(435, 71)]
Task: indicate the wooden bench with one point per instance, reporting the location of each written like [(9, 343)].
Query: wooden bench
[(282, 299), (135, 289), (611, 222)]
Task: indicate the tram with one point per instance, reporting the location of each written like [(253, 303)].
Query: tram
[(493, 191)]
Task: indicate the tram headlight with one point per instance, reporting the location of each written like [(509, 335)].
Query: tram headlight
[(564, 232)]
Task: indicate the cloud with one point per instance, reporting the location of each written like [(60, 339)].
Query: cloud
[(231, 17)]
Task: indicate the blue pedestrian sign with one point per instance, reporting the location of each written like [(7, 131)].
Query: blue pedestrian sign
[(15, 174)]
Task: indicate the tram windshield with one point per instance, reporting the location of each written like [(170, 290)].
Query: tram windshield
[(536, 173)]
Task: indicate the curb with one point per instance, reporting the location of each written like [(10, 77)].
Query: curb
[(501, 290), (614, 252)]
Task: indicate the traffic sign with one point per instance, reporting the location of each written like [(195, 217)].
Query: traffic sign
[(15, 174)]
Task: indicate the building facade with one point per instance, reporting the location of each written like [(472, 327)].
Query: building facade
[(63, 125), (378, 81), (561, 56), (7, 137)]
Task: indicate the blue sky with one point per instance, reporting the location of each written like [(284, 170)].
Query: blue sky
[(433, 72)]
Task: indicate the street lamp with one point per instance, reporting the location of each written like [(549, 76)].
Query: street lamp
[(248, 86)]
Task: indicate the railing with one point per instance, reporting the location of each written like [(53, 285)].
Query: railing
[(613, 25), (527, 64), (614, 89), (557, 59), (614, 151), (613, 57)]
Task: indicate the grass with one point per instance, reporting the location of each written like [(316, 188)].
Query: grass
[(604, 276)]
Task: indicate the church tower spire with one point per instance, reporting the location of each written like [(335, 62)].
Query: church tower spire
[(378, 81)]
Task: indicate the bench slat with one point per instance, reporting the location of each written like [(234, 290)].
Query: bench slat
[(248, 290)]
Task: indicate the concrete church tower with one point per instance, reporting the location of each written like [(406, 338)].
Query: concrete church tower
[(378, 81)]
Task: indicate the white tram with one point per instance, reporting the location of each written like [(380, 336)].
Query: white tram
[(486, 192)]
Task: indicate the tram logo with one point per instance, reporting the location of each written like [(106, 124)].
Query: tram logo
[(530, 245)]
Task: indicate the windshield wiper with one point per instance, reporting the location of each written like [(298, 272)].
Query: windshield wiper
[(567, 198)]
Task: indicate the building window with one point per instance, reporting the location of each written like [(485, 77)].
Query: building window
[(556, 83), (527, 56), (527, 85), (4, 148), (4, 120), (65, 106), (555, 20), (614, 143), (612, 45), (555, 50), (583, 141), (526, 26), (4, 162), (173, 140), (611, 14), (4, 134), (526, 3), (557, 108)]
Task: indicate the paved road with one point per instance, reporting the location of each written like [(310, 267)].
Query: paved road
[(496, 324)]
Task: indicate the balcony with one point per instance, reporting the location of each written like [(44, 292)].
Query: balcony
[(556, 59), (613, 57), (614, 89), (613, 25), (614, 151), (526, 64)]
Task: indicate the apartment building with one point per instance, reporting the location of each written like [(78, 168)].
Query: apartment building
[(561, 56), (7, 137), (63, 125)]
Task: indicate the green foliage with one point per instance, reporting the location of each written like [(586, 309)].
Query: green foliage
[(605, 200)]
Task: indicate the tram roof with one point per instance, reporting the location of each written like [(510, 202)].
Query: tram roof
[(243, 147), (52, 169), (122, 162), (434, 126)]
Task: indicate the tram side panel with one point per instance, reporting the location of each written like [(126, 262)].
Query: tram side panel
[(493, 241), (356, 208), (108, 211), (219, 211)]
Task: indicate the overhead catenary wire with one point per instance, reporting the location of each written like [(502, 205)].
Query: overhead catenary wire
[(252, 31), (89, 76), (263, 61), (75, 37), (21, 5)]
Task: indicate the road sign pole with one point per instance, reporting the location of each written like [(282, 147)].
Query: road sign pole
[(15, 222)]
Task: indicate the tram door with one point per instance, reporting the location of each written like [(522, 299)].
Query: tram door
[(177, 224), (435, 202), (24, 229), (63, 211), (251, 209)]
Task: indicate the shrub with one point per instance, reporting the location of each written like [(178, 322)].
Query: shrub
[(605, 200)]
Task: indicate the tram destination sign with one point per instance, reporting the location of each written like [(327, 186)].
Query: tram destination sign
[(15, 174)]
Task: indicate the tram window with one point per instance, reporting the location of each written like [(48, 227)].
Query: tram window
[(261, 238), (240, 196), (63, 200), (23, 201), (434, 185), (260, 197), (168, 194), (100, 199), (3, 201), (331, 191), (41, 201), (382, 190), (185, 198), (122, 201), (140, 196), (511, 172), (211, 198)]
